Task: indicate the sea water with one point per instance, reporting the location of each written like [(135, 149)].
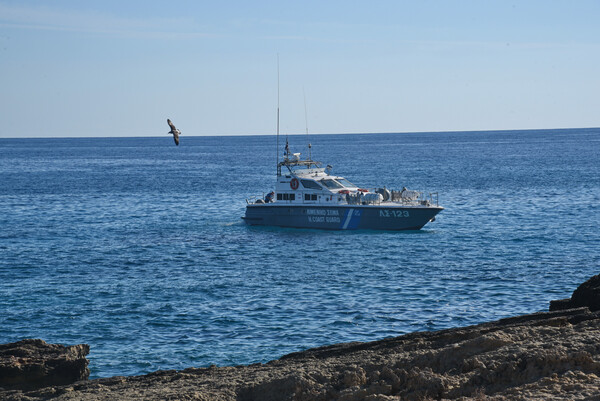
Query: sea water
[(137, 247)]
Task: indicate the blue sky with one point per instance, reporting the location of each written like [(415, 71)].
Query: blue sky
[(120, 68)]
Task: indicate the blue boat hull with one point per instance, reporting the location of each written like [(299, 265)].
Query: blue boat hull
[(342, 217)]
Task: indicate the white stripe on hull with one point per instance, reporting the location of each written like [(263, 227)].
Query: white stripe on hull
[(348, 218)]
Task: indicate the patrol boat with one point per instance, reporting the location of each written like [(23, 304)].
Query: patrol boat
[(308, 195)]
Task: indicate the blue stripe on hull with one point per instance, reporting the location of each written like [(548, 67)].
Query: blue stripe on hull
[(351, 219)]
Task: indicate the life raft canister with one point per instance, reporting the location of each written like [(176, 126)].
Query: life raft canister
[(294, 183)]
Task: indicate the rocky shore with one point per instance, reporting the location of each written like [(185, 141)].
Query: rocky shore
[(551, 355)]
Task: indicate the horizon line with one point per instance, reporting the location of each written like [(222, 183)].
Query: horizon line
[(304, 134)]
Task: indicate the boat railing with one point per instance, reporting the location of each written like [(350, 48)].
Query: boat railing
[(404, 197), (256, 199), (420, 198)]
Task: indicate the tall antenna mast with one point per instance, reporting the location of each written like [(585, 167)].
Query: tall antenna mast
[(277, 153), (306, 122)]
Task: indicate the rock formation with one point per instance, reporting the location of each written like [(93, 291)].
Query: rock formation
[(587, 294), (30, 364)]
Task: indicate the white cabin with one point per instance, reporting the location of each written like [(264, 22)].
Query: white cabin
[(306, 182)]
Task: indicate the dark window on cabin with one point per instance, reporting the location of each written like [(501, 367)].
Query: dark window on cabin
[(279, 196), (310, 184), (306, 197), (314, 197), (331, 184)]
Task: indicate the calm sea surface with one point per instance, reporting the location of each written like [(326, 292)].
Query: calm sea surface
[(137, 248)]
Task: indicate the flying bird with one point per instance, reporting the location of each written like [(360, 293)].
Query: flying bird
[(174, 131)]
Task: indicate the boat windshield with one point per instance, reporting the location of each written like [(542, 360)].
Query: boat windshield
[(345, 183), (331, 184)]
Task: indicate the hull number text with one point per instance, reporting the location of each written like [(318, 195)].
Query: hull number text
[(393, 213)]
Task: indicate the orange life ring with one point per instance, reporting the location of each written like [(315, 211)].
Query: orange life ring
[(294, 183)]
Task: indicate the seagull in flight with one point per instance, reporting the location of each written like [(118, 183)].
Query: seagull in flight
[(174, 131)]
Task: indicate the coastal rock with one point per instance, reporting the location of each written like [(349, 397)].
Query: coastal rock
[(543, 356), (31, 364), (586, 295)]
